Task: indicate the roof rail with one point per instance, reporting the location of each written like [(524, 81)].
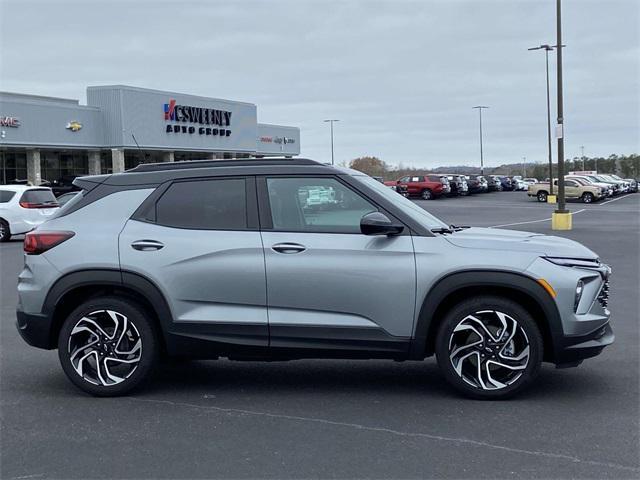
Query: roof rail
[(240, 162)]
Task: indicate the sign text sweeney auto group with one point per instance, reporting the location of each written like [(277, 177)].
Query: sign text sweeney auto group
[(198, 115)]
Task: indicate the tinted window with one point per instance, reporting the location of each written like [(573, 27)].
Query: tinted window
[(38, 196), (6, 195), (434, 178), (205, 204), (315, 205)]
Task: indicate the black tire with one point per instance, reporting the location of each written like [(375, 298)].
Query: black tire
[(587, 197), (139, 327), (542, 197), (528, 335), (5, 231), (426, 194)]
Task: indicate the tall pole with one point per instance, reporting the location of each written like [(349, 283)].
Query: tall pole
[(547, 49), (546, 54), (480, 107), (560, 126), (524, 167), (330, 121), (582, 150)]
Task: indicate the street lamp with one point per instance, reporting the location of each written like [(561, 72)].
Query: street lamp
[(547, 49), (524, 167), (582, 150), (331, 121), (480, 107)]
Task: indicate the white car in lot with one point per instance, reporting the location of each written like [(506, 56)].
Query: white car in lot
[(23, 208)]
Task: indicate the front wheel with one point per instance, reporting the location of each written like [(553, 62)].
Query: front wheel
[(108, 346), (489, 347), (587, 197), (542, 197)]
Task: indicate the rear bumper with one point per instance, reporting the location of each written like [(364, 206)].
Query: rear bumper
[(574, 349), (35, 329)]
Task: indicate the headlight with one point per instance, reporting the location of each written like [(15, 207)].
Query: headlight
[(573, 262)]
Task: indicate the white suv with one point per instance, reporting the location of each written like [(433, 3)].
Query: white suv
[(23, 208)]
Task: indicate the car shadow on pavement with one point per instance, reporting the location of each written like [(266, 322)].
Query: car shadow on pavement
[(323, 377)]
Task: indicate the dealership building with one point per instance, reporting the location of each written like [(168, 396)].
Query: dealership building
[(46, 138)]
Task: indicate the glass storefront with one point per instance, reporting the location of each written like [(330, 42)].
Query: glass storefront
[(13, 167), (55, 165)]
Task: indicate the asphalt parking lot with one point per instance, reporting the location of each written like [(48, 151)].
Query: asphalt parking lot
[(342, 419)]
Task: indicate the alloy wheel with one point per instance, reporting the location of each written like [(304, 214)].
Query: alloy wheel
[(104, 347), (489, 350)]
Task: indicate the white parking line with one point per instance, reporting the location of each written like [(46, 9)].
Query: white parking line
[(613, 200), (531, 221)]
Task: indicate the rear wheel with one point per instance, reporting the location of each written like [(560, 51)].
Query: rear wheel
[(587, 197), (108, 346), (426, 194), (542, 197), (5, 231), (489, 347)]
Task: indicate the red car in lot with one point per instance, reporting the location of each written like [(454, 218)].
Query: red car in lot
[(426, 187)]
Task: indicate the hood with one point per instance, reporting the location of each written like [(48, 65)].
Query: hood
[(516, 241)]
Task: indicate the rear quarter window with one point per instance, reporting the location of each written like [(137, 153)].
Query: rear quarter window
[(6, 196)]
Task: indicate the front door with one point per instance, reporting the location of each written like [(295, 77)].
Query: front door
[(203, 249), (328, 285)]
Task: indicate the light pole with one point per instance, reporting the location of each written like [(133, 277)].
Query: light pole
[(524, 167), (582, 150), (480, 107), (331, 121), (547, 49)]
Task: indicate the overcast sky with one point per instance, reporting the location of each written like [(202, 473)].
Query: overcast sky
[(401, 76)]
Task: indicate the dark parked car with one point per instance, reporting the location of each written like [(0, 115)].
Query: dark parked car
[(458, 184), (507, 184), (477, 184), (494, 183), (64, 185)]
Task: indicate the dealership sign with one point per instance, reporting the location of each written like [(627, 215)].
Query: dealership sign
[(278, 140), (198, 120), (13, 122)]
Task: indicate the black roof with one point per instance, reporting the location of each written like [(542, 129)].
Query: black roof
[(156, 173), (240, 162)]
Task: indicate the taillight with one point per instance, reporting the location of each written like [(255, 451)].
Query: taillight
[(39, 205), (36, 243)]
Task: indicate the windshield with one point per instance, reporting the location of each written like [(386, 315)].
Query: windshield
[(414, 211)]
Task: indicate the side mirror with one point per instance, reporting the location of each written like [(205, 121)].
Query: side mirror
[(376, 223)]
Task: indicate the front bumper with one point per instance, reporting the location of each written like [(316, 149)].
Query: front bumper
[(575, 349), (35, 329)]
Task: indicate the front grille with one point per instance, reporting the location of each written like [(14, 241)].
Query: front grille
[(603, 296)]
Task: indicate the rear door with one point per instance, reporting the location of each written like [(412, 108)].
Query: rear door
[(329, 286), (199, 242)]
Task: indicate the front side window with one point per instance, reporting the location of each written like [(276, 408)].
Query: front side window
[(321, 205), (219, 204)]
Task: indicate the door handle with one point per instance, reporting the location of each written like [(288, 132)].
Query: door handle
[(147, 245), (288, 248)]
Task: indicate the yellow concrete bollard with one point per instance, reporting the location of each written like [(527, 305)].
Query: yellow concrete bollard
[(561, 221), (551, 199)]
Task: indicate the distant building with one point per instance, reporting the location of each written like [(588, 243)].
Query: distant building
[(44, 138)]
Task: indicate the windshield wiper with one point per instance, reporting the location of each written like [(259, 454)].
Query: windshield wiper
[(457, 228), (441, 230)]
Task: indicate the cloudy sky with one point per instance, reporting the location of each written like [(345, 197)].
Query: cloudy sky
[(401, 76)]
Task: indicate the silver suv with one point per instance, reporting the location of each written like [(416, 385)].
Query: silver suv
[(286, 259)]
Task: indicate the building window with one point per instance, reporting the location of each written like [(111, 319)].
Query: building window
[(13, 167), (55, 165)]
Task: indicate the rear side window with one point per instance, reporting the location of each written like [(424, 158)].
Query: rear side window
[(434, 178), (6, 195), (38, 196), (219, 204)]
